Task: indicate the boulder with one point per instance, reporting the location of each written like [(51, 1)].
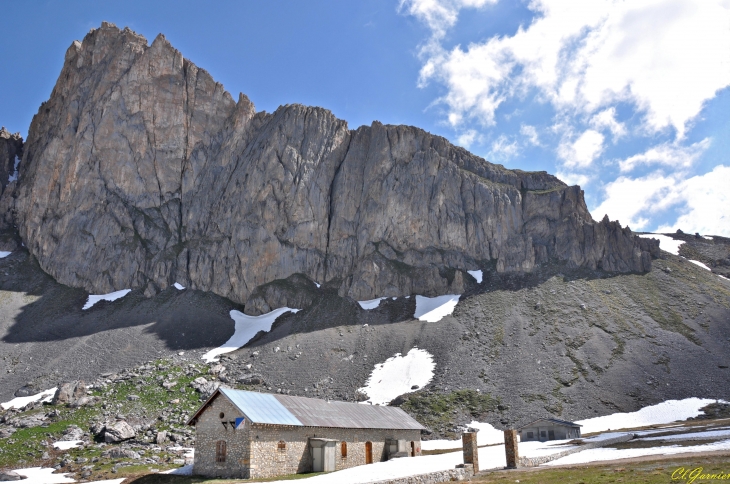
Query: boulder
[(68, 393), (160, 437), (118, 432), (121, 453), (10, 476)]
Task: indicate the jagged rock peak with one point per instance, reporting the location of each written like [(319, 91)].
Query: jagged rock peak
[(141, 171)]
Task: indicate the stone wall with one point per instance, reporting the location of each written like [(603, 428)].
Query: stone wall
[(209, 429), (458, 474), (268, 460)]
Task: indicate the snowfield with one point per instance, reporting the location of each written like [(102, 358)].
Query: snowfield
[(433, 309), (397, 375), (667, 244), (112, 296), (246, 328), (661, 413), (20, 402)]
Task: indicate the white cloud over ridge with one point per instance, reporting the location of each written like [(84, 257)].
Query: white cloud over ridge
[(625, 83)]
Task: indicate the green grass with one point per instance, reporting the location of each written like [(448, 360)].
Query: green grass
[(646, 472)]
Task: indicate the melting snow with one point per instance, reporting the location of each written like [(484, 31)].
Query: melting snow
[(608, 453), (723, 277), (487, 435), (178, 286), (371, 303), (667, 244), (246, 328), (112, 296), (397, 375), (67, 444), (699, 264), (433, 309), (4, 254), (709, 434), (661, 413), (19, 402), (476, 275), (181, 471)]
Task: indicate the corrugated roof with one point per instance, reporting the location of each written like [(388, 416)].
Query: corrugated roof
[(271, 409), (553, 420)]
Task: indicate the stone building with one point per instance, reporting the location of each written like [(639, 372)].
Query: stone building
[(544, 429), (242, 434)]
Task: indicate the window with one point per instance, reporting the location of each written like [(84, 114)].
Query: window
[(222, 415), (530, 435), (343, 449), (281, 446), (220, 451)]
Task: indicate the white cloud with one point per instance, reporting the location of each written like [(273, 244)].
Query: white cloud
[(502, 147), (703, 199), (707, 204), (468, 137), (666, 57), (606, 119), (583, 150), (573, 178), (531, 134), (439, 15), (668, 154)]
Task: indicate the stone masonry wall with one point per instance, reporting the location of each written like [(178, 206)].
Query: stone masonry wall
[(209, 429), (267, 460), (458, 474)]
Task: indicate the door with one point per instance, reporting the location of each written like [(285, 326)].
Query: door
[(413, 449), (551, 435), (368, 452), (329, 456), (317, 459)]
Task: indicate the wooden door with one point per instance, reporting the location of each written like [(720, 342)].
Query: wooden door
[(413, 449), (368, 452)]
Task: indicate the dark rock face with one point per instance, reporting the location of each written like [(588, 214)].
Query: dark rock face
[(11, 151), (141, 171)]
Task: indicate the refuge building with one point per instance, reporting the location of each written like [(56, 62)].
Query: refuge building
[(242, 434), (544, 429)]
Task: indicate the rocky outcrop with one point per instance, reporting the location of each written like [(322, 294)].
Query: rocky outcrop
[(141, 171), (11, 151)]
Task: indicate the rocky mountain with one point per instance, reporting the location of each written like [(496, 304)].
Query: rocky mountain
[(141, 171)]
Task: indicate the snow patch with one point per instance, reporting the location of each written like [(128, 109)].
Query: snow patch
[(397, 375), (178, 286), (371, 303), (317, 284), (667, 244), (245, 329), (487, 435), (608, 453), (433, 309), (112, 296), (14, 176), (181, 471), (708, 435), (476, 275), (20, 402), (67, 444), (723, 277), (4, 254), (661, 413), (700, 264), (42, 475)]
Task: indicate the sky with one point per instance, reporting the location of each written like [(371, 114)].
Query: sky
[(628, 99)]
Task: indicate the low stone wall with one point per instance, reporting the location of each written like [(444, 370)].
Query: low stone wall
[(536, 461), (459, 474)]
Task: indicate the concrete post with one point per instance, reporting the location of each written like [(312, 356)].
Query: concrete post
[(471, 451), (510, 449)]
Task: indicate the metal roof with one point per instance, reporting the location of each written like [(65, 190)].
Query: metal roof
[(264, 408), (553, 420)]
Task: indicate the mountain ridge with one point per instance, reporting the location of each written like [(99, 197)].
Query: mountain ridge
[(141, 171)]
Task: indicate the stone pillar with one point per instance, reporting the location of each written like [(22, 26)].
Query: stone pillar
[(471, 451), (510, 449)]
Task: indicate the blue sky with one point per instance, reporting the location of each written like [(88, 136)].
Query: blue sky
[(627, 99)]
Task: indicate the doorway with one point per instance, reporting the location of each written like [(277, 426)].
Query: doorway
[(413, 449), (368, 452)]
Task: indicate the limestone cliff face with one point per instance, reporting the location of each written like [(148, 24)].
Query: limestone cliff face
[(141, 171), (11, 151)]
